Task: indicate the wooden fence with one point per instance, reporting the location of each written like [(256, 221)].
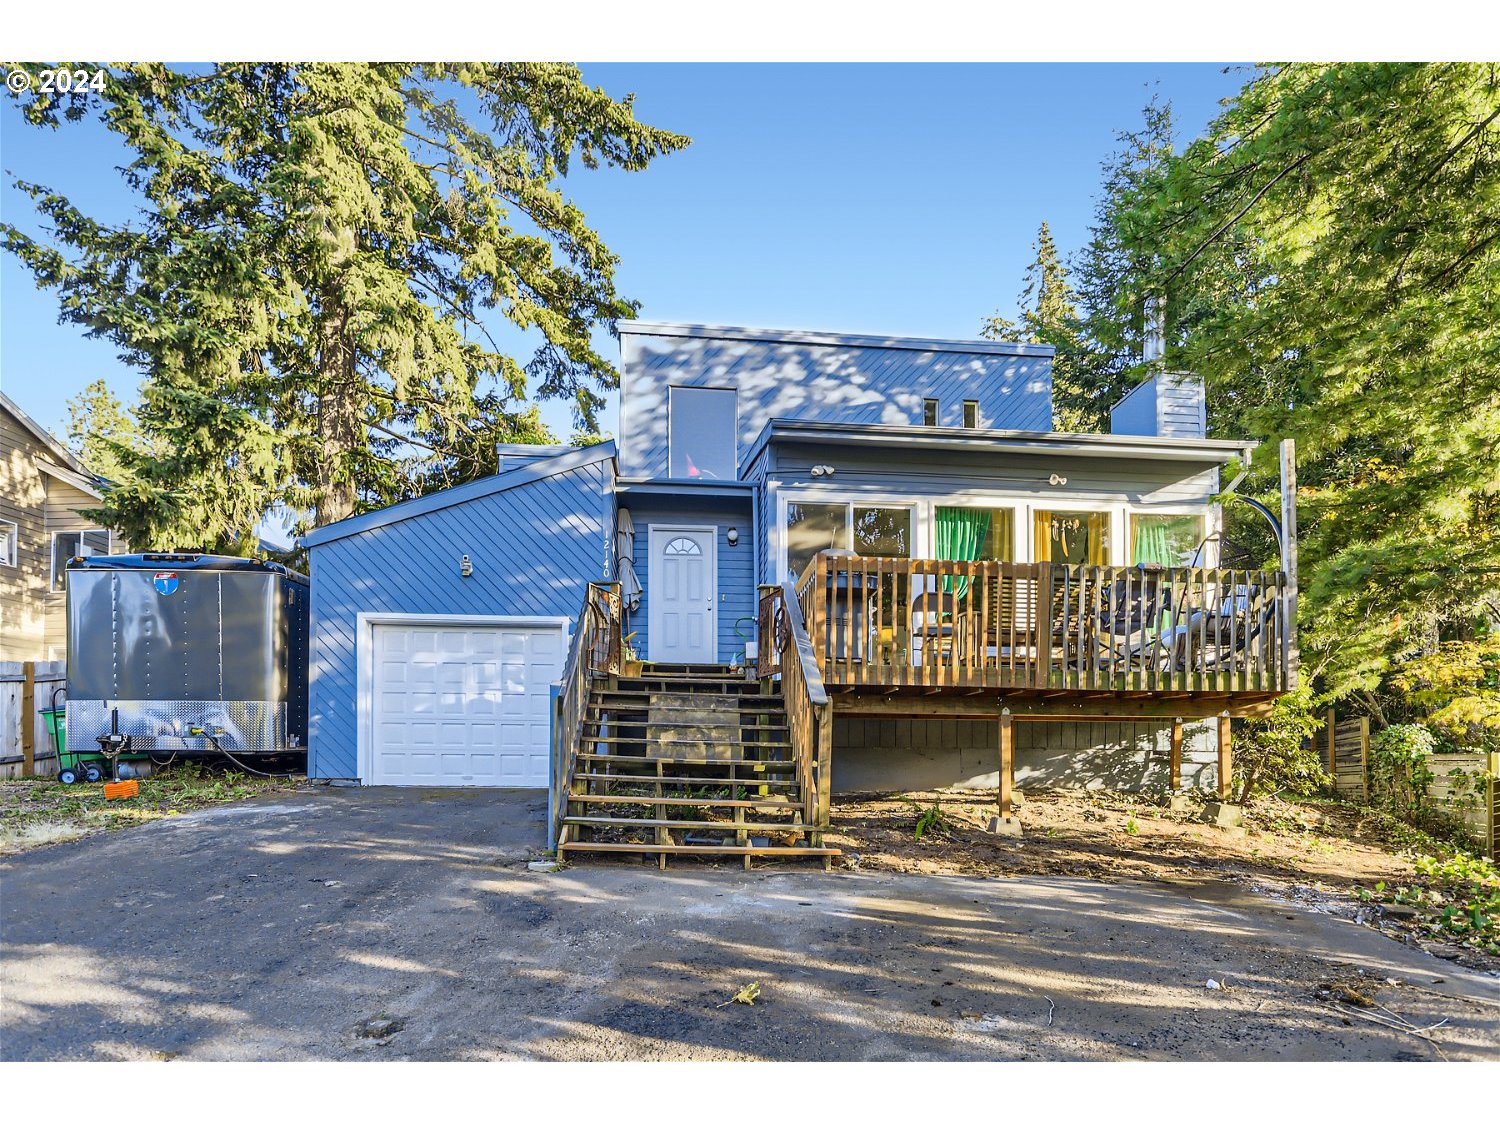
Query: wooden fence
[(1463, 785), (1347, 755), (25, 688)]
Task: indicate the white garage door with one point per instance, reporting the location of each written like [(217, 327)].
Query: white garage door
[(463, 705)]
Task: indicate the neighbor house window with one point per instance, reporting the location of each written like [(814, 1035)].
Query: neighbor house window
[(929, 412), (1078, 538), (703, 433), (971, 414), (69, 544), (8, 538), (1167, 540), (868, 530)]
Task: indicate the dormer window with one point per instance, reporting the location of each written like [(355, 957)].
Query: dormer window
[(971, 414), (929, 412), (703, 433)]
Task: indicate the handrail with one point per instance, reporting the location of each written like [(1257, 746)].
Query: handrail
[(787, 651), (593, 653), (1045, 626)]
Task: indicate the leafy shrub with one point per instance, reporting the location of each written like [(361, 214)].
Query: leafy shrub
[(1275, 755), (1401, 768)]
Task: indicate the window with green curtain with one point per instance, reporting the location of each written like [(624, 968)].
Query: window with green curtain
[(1166, 540), (965, 534)]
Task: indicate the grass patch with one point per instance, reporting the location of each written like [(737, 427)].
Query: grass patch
[(38, 811)]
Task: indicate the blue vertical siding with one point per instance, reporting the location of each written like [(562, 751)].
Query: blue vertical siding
[(830, 378), (534, 546), (736, 565)]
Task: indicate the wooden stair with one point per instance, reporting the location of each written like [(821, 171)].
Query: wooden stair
[(687, 760)]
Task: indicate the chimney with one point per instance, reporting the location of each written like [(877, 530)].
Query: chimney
[(1168, 404), (1154, 346)]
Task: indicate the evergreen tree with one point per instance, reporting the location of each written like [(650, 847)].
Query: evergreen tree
[(321, 248), (103, 433), (1110, 275), (1335, 242), (1049, 315)]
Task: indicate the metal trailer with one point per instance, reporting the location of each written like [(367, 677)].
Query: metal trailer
[(190, 655)]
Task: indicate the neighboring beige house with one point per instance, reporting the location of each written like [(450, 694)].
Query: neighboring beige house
[(43, 487)]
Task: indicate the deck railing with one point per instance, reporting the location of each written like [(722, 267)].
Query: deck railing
[(785, 649), (1046, 626), (594, 654)]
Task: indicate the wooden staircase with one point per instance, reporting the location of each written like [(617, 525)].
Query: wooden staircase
[(687, 760)]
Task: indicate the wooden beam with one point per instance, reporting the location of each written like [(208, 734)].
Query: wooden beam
[(28, 719), (1176, 781), (1026, 708), (1007, 763), (1333, 756), (1226, 758)]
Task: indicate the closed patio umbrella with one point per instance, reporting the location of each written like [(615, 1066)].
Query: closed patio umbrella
[(630, 585)]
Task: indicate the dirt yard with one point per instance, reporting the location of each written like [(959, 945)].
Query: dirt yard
[(1349, 861), (37, 811)]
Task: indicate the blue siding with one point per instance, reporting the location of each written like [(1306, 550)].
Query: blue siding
[(1167, 405), (736, 565), (808, 377), (533, 548)]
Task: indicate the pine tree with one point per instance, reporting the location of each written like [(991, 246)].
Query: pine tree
[(323, 248), (1049, 315), (1110, 272), (1335, 240), (103, 433)]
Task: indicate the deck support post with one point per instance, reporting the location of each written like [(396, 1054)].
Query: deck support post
[(1226, 758), (1007, 763), (1176, 761)]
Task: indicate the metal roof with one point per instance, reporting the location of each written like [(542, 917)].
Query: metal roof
[(1205, 450), (536, 470), (831, 339)]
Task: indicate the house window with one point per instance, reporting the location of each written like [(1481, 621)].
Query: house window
[(71, 544), (1167, 540), (867, 530), (929, 412), (9, 534), (702, 433), (965, 534), (1076, 538), (971, 414)]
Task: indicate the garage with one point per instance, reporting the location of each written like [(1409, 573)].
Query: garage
[(439, 625), (462, 703)]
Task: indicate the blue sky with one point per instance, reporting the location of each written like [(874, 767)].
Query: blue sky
[(900, 199)]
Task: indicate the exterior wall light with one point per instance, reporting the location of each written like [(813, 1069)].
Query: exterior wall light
[(465, 567), (822, 470), (733, 535), (1055, 479)]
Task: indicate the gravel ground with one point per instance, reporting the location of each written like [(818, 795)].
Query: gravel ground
[(403, 924)]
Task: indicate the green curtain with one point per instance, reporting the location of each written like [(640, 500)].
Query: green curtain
[(962, 534), (1152, 543)]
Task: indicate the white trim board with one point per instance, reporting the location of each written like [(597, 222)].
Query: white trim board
[(364, 653)]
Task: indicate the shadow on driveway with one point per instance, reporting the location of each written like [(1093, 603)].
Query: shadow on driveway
[(278, 928)]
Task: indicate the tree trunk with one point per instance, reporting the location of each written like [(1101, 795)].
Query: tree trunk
[(341, 431)]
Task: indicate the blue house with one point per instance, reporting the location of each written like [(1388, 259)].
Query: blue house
[(811, 562)]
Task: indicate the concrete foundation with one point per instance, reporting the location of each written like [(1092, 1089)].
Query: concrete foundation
[(902, 754)]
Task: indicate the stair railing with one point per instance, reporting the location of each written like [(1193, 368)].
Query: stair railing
[(787, 650), (593, 656)]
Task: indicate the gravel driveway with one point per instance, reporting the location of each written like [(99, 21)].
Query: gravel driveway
[(349, 924)]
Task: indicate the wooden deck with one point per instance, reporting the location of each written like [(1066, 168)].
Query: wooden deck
[(1166, 641)]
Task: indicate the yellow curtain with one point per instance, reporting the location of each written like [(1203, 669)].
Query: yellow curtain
[(1078, 538)]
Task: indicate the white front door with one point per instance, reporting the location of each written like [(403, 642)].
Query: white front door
[(681, 589), (463, 704)]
